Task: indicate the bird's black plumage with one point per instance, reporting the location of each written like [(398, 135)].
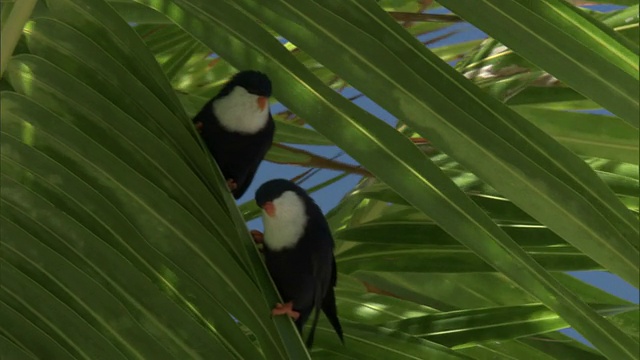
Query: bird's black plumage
[(238, 151), (304, 270)]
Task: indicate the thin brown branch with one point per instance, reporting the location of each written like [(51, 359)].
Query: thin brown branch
[(152, 31), (323, 163), (409, 16), (420, 141), (213, 62), (377, 290), (297, 178), (424, 4), (441, 37)]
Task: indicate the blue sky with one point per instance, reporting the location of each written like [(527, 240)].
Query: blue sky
[(327, 198)]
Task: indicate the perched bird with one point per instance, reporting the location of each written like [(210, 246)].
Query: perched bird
[(298, 250), (237, 127)]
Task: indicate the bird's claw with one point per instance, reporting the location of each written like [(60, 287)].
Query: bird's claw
[(258, 236), (231, 184), (199, 125), (285, 309)]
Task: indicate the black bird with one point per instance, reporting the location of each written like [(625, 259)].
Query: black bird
[(298, 249), (237, 127)]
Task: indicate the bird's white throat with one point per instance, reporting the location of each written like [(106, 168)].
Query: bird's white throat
[(287, 226), (239, 112)]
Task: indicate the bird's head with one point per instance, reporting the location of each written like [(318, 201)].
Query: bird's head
[(254, 82), (284, 212), (280, 192), (243, 103)]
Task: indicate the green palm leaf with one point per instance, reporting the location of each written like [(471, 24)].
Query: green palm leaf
[(121, 240)]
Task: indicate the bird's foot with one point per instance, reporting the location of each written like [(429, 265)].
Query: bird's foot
[(258, 236), (199, 125), (285, 309), (231, 184)]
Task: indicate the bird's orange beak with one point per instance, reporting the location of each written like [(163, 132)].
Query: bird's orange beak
[(263, 101), (269, 208)]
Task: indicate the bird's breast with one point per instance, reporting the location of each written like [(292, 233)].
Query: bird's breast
[(281, 233), (239, 112)]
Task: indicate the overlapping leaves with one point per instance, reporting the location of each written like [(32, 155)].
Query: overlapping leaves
[(115, 218)]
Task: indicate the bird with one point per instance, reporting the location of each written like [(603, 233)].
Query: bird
[(298, 253), (237, 127)]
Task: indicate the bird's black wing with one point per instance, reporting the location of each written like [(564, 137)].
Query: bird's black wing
[(243, 185), (205, 114), (250, 173), (263, 141), (329, 302), (324, 274), (328, 306), (317, 298)]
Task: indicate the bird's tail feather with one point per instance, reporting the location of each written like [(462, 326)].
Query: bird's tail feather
[(312, 331), (329, 309)]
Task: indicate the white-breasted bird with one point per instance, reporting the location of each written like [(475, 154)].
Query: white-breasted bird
[(298, 249), (237, 127)]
